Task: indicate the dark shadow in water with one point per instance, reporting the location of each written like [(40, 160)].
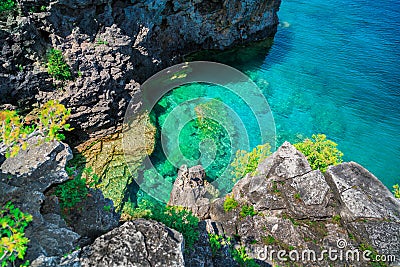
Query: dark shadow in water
[(244, 58), (283, 43), (251, 57)]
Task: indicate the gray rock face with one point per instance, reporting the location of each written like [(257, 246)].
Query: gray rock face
[(26, 179), (299, 209), (191, 190), (23, 179), (363, 195), (112, 46), (94, 217), (136, 243)]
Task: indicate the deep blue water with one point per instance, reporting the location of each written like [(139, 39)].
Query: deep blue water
[(333, 68)]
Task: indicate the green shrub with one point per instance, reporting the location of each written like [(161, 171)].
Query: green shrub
[(268, 240), (13, 242), (176, 218), (230, 203), (71, 192), (57, 66), (247, 211), (13, 133), (75, 190), (247, 162), (396, 191), (6, 5), (336, 218), (53, 117), (15, 130), (240, 256), (215, 243), (320, 152)]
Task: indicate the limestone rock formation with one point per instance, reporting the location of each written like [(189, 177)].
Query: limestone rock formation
[(25, 180), (111, 46), (192, 191), (295, 208)]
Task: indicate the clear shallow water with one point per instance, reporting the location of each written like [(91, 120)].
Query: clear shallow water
[(333, 69)]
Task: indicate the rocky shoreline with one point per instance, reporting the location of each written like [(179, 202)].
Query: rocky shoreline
[(347, 203), (111, 48)]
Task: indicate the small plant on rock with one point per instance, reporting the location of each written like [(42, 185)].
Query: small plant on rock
[(247, 162), (247, 211), (215, 243), (13, 242), (396, 191), (320, 152), (71, 193), (46, 124), (242, 258), (230, 203), (57, 66), (53, 117)]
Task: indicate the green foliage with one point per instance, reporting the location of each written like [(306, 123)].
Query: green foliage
[(75, 190), (176, 218), (101, 42), (53, 118), (6, 5), (247, 211), (372, 256), (269, 240), (336, 218), (320, 152), (71, 192), (215, 243), (15, 130), (92, 179), (396, 191), (57, 66), (107, 208), (247, 162), (230, 203), (13, 242), (297, 196), (240, 256)]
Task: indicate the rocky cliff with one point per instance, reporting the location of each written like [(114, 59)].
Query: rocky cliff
[(285, 206), (111, 47)]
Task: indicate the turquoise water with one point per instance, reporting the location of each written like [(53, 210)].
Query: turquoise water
[(336, 70), (333, 68)]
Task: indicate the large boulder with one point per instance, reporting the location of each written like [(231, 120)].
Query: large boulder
[(136, 243), (369, 208)]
